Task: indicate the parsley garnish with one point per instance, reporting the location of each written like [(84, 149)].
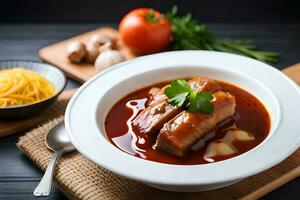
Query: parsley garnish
[(187, 33), (181, 94)]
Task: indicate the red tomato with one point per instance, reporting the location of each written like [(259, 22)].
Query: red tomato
[(145, 31)]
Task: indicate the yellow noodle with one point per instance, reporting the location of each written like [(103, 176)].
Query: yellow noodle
[(19, 86)]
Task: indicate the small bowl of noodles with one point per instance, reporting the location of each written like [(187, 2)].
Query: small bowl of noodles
[(27, 87)]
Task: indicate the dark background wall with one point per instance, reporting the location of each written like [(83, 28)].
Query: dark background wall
[(110, 11)]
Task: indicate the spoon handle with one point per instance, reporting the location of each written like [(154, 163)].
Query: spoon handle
[(44, 187)]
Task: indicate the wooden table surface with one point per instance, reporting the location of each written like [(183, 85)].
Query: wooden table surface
[(18, 176)]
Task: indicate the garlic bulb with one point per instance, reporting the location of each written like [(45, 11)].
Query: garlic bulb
[(108, 58)]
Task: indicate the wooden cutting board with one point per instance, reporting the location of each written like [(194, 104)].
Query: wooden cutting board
[(56, 55)]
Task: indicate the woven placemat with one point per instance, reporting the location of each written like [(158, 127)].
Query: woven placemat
[(79, 178)]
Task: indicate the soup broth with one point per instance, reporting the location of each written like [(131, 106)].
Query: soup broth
[(250, 115)]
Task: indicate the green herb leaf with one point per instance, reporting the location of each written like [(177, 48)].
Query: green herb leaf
[(179, 99), (193, 106), (181, 94), (188, 33), (178, 92), (200, 102)]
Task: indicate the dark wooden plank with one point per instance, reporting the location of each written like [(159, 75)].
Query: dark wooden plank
[(48, 31), (13, 162), (55, 196), (22, 189), (289, 191)]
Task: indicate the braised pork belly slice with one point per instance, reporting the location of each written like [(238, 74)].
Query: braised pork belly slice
[(159, 111), (179, 134), (203, 84), (156, 94), (154, 116)]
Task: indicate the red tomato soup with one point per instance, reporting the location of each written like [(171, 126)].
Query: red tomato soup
[(250, 115)]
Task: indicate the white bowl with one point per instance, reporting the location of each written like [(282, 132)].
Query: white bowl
[(87, 110)]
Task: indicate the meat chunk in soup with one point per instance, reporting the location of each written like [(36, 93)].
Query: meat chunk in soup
[(203, 84), (156, 94), (159, 111), (154, 116), (179, 134)]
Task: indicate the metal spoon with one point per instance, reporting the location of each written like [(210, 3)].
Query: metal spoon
[(58, 141)]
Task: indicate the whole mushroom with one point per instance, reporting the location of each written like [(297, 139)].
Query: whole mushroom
[(76, 51), (98, 40), (92, 54)]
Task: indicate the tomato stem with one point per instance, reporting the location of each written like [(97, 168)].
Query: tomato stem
[(150, 17)]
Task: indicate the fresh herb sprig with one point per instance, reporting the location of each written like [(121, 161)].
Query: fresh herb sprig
[(190, 34), (181, 94)]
